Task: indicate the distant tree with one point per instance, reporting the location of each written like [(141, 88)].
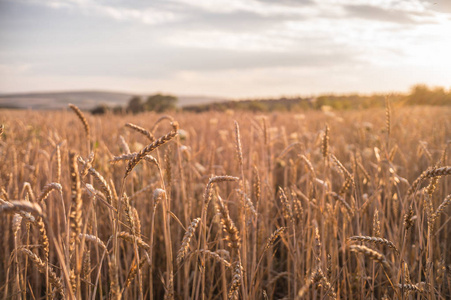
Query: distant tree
[(135, 105), (257, 106), (100, 109), (161, 103), (119, 110), (419, 94)]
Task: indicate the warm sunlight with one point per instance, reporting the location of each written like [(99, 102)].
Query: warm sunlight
[(225, 149)]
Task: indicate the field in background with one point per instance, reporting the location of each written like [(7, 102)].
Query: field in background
[(321, 205)]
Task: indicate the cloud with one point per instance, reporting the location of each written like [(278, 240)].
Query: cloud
[(442, 6), (197, 45), (289, 2), (164, 62), (370, 12), (153, 13)]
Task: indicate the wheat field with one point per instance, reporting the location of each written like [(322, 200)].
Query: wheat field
[(234, 205)]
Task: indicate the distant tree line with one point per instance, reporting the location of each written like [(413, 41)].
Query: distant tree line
[(418, 95), (157, 103)]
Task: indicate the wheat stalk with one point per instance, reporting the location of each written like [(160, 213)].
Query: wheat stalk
[(161, 119), (213, 180), (247, 202), (342, 201), (114, 278), (124, 144), (316, 277), (325, 143), (387, 119), (29, 191)]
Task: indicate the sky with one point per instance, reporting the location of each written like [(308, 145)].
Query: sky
[(226, 48)]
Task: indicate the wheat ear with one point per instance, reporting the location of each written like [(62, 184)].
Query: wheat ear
[(93, 239), (160, 119), (43, 238), (228, 226), (341, 200), (376, 224), (419, 287), (134, 270), (215, 179), (45, 269), (373, 254), (186, 240), (76, 202), (433, 172), (130, 238), (17, 221), (21, 207), (47, 189), (141, 130), (149, 148), (375, 240), (441, 208), (106, 189), (216, 256), (236, 281), (58, 163), (82, 118)]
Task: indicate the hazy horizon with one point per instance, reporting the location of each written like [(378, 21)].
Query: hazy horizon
[(230, 49)]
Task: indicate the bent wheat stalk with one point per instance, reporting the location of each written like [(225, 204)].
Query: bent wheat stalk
[(375, 240), (433, 172), (45, 269)]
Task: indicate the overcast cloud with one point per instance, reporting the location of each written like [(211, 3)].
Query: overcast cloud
[(229, 48)]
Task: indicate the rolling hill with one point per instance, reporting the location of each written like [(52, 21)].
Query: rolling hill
[(83, 99)]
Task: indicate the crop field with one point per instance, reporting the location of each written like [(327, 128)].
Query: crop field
[(226, 205)]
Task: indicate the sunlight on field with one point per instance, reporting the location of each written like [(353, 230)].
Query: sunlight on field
[(235, 205)]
